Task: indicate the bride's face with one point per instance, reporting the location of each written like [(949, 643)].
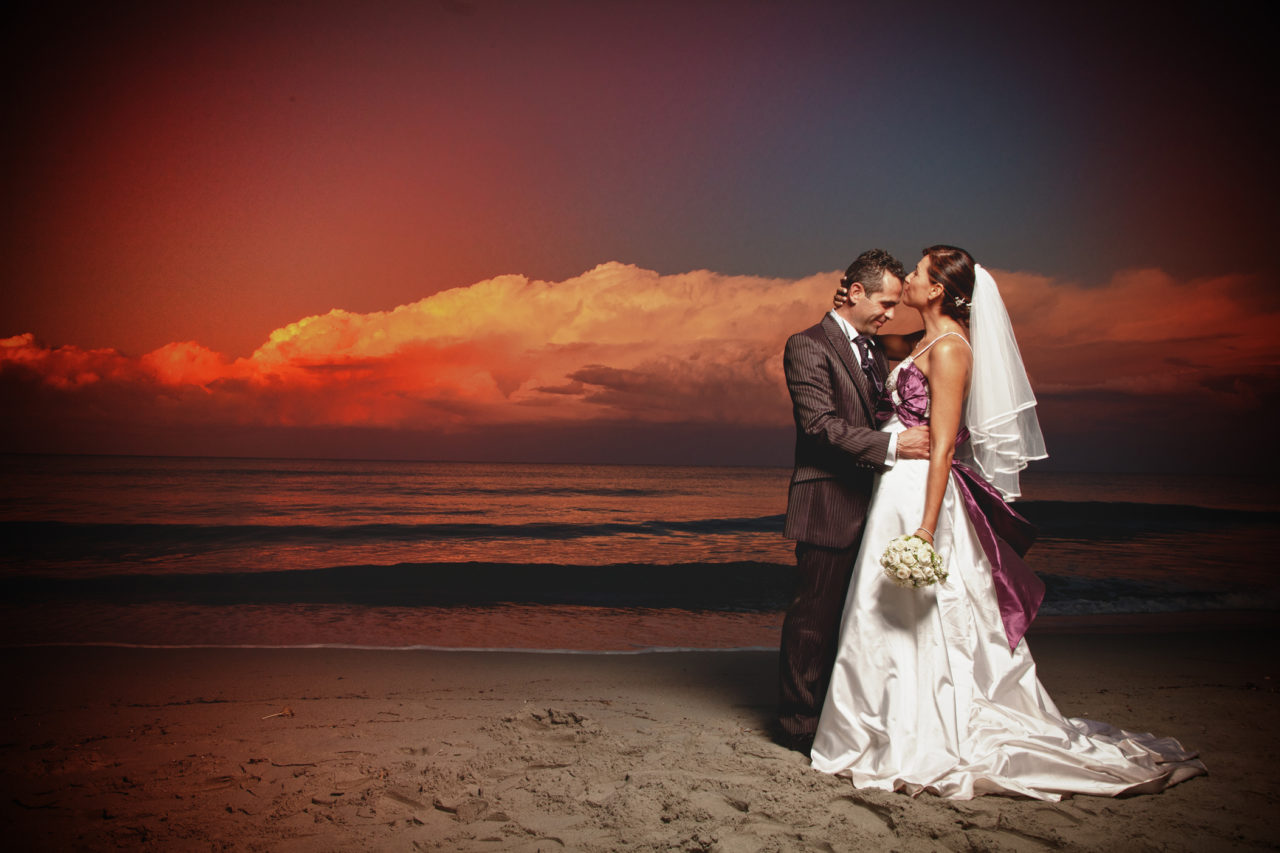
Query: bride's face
[(915, 292)]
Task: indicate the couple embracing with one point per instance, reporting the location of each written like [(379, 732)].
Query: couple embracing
[(929, 689)]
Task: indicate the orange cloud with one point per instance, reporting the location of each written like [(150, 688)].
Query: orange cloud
[(623, 343), (65, 368), (1143, 332), (185, 363)]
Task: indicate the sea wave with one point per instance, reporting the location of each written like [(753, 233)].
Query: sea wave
[(37, 535), (1118, 519), (741, 586), (1057, 519), (745, 586)]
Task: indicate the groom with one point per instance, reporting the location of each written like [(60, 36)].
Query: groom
[(835, 373)]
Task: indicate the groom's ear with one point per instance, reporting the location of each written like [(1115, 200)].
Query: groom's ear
[(856, 289)]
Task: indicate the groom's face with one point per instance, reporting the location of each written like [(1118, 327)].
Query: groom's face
[(867, 312)]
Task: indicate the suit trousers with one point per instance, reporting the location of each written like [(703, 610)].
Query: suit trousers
[(810, 634)]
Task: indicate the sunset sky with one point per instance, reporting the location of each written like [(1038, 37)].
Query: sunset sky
[(582, 231)]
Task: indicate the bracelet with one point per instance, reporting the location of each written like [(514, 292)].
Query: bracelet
[(926, 530)]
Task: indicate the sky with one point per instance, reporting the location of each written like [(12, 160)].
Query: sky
[(582, 231)]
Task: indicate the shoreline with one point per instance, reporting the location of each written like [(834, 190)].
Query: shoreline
[(328, 749)]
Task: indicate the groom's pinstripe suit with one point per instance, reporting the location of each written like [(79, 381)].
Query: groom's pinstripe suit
[(838, 453)]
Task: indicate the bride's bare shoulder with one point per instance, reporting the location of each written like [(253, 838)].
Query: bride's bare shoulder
[(949, 357), (953, 346)]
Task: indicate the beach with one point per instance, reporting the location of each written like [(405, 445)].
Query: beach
[(339, 749)]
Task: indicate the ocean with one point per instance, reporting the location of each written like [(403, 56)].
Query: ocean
[(266, 552)]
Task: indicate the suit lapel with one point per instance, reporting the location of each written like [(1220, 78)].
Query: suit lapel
[(844, 350)]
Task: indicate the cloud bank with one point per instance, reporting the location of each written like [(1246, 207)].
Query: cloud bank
[(621, 344)]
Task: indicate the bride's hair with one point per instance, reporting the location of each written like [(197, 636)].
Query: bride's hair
[(952, 268)]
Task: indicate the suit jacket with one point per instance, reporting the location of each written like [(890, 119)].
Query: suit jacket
[(838, 448)]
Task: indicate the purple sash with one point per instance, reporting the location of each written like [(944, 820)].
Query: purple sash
[(1005, 538), (1004, 535)]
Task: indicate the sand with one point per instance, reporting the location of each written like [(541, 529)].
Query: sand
[(178, 749)]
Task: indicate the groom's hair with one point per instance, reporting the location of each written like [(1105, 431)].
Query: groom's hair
[(869, 269)]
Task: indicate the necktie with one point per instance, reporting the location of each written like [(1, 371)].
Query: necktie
[(864, 345)]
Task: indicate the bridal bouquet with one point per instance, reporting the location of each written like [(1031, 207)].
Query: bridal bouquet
[(911, 562)]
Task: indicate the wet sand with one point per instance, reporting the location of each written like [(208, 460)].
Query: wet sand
[(341, 749)]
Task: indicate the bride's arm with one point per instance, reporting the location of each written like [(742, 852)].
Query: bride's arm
[(898, 347), (948, 373)]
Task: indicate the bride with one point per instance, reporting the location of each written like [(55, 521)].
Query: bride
[(934, 689)]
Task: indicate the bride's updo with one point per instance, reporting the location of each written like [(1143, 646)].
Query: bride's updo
[(952, 269)]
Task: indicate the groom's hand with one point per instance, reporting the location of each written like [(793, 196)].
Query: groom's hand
[(914, 443)]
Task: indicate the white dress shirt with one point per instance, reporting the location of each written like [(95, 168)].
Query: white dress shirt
[(850, 332)]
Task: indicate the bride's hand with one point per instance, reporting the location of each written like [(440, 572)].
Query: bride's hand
[(841, 297)]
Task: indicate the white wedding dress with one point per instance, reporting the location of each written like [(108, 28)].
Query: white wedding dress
[(926, 694)]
